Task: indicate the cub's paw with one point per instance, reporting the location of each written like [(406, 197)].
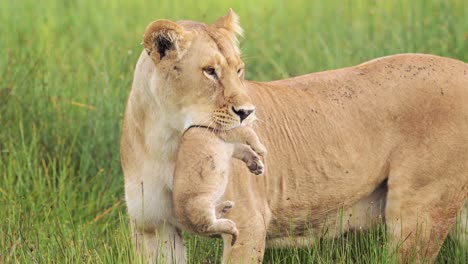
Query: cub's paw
[(223, 208), (256, 166)]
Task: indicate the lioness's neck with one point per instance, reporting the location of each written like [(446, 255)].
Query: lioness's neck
[(156, 132), (155, 123)]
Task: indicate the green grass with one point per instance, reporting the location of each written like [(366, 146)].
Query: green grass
[(66, 68)]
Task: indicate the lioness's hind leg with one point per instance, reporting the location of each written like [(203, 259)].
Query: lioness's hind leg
[(464, 224), (460, 231), (421, 209), (247, 155)]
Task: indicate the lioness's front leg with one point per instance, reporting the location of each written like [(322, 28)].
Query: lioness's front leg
[(250, 244), (163, 244)]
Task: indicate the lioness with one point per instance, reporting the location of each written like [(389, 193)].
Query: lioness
[(387, 138), (201, 176)]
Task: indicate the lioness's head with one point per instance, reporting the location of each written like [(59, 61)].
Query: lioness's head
[(199, 72)]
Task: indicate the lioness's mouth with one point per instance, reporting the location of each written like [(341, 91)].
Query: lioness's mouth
[(217, 128), (200, 126)]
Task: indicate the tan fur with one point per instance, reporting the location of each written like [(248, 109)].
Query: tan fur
[(385, 139), (201, 176)]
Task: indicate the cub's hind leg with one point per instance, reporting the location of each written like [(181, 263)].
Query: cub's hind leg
[(223, 207), (199, 215), (224, 226)]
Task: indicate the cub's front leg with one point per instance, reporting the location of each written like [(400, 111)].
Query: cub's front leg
[(245, 135), (249, 157)]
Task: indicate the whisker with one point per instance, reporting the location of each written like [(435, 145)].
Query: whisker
[(228, 133), (260, 120), (201, 124), (206, 138)]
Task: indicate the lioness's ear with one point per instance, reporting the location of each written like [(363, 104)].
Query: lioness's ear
[(229, 22), (164, 39)]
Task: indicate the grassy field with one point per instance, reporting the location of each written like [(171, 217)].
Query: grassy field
[(65, 71)]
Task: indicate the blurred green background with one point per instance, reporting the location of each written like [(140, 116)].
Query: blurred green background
[(66, 68)]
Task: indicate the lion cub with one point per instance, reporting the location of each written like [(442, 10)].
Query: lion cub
[(201, 176)]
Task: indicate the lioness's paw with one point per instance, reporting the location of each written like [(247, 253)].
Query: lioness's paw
[(256, 166)]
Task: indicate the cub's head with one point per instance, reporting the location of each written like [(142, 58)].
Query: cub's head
[(199, 72)]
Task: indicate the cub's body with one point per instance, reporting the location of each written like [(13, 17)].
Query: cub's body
[(201, 176)]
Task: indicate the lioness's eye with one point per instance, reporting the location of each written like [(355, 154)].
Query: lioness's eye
[(240, 72), (210, 72)]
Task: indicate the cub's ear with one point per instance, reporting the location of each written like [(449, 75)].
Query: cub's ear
[(165, 39), (229, 22)]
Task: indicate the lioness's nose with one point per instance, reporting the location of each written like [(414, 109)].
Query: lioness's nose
[(243, 113)]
